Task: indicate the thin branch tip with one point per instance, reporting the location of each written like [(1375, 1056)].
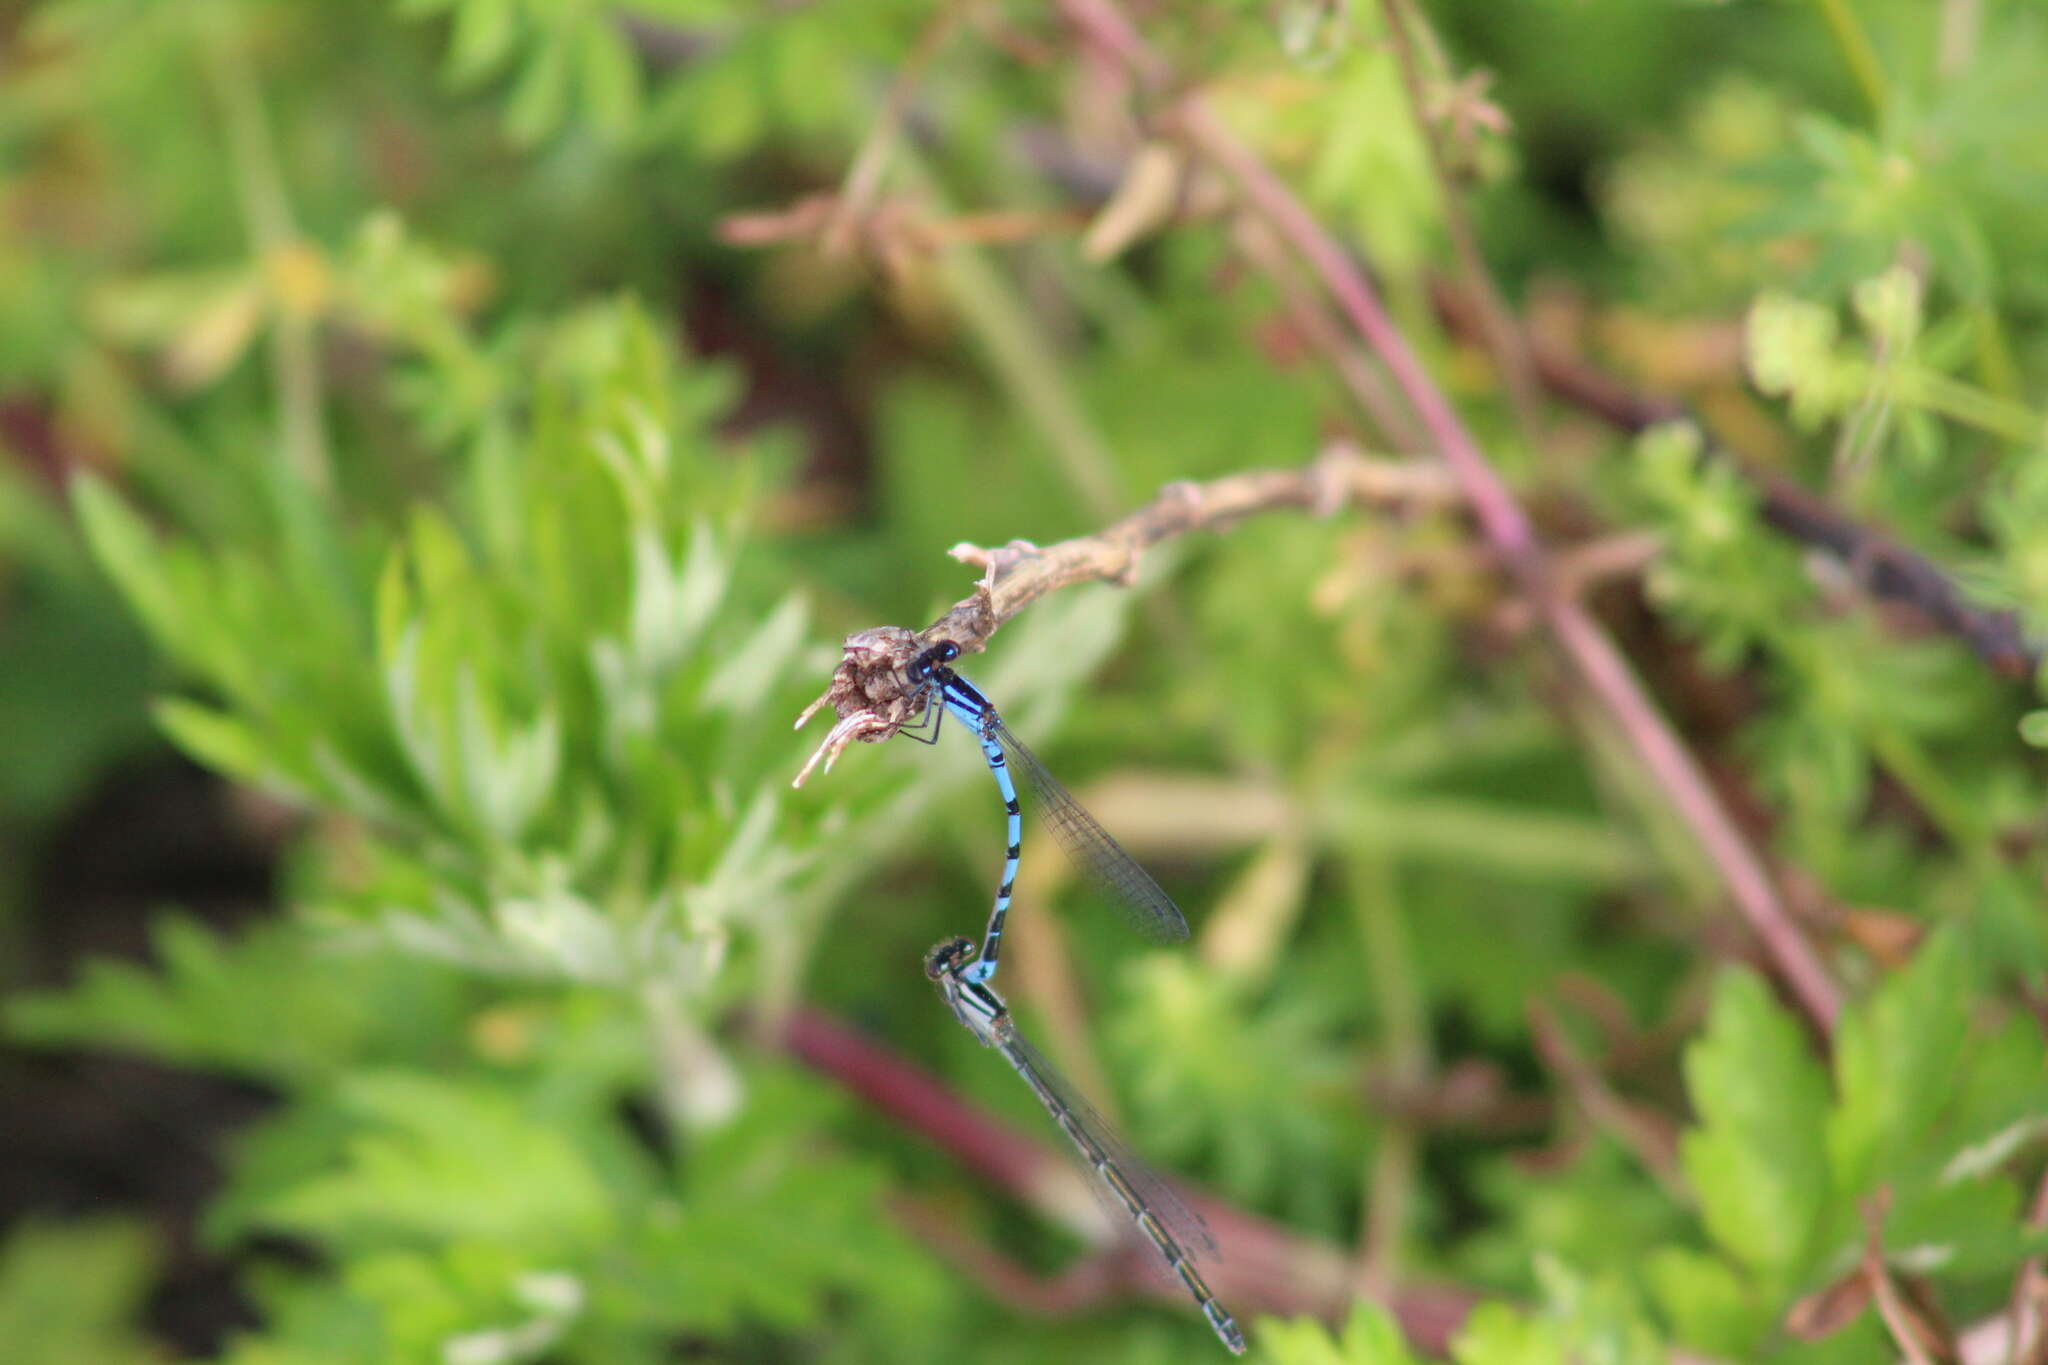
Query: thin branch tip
[(871, 691)]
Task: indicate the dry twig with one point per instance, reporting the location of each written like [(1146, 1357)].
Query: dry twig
[(870, 693)]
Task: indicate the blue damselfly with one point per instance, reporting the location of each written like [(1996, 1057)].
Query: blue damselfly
[(1175, 1232), (1099, 858)]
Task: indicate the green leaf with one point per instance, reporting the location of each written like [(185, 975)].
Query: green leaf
[(72, 1292), (221, 741), (1370, 1337), (442, 1160), (2034, 728), (1791, 348), (1898, 1055), (1706, 1302), (1960, 1228), (1496, 1334), (611, 79), (769, 1228), (540, 97), (1758, 1158), (2001, 1105), (266, 1003), (127, 550), (75, 673), (1239, 1088), (470, 1303), (483, 36), (1890, 308), (752, 666)]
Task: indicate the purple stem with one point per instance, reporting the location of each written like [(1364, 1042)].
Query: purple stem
[(1605, 672)]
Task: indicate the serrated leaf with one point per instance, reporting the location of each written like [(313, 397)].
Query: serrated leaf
[(1370, 1337), (1758, 1159), (1496, 1334), (1897, 1057), (441, 1160), (469, 1303), (768, 1228), (1963, 1228), (264, 1003), (2001, 1104), (1706, 1303)]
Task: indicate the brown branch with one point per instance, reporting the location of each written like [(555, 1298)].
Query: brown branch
[(1600, 666), (872, 697), (1880, 566), (1266, 1268)]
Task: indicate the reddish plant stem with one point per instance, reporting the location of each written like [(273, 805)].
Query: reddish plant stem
[(1506, 527), (1503, 339), (1306, 311)]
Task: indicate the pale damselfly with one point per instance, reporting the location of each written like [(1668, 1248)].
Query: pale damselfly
[(1175, 1232)]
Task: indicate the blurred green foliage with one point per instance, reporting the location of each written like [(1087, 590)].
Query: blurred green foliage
[(381, 417)]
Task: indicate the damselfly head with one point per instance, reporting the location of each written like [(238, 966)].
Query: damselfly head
[(948, 957), (932, 660)]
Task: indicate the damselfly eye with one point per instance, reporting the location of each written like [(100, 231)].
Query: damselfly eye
[(941, 653)]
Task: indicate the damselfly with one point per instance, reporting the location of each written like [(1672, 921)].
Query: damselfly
[(1100, 858), (1175, 1232)]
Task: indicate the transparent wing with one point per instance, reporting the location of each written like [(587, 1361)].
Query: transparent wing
[(1126, 1186), (1099, 858)]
